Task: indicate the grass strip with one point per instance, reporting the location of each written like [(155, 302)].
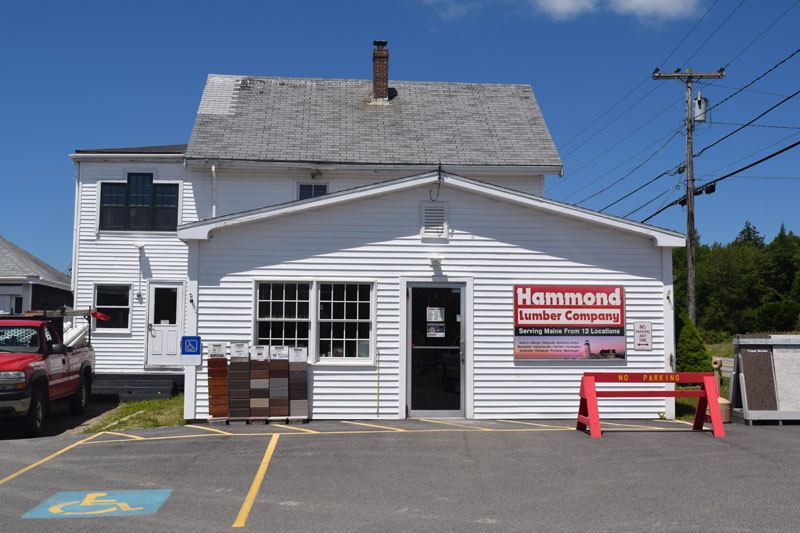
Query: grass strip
[(142, 415)]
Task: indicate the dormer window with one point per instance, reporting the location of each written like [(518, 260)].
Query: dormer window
[(139, 205)]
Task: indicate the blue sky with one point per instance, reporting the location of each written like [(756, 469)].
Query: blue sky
[(94, 75)]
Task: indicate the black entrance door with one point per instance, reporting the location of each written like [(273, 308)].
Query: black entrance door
[(436, 353)]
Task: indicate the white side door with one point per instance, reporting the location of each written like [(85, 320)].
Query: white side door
[(164, 321)]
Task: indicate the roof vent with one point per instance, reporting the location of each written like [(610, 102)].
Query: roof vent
[(434, 223)]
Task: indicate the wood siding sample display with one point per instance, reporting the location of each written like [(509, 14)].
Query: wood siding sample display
[(259, 383), (787, 375), (298, 408), (759, 378), (239, 393), (259, 393), (259, 412)]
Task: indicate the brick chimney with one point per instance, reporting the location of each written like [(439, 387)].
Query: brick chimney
[(380, 73)]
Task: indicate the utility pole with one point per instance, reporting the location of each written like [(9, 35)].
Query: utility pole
[(686, 77)]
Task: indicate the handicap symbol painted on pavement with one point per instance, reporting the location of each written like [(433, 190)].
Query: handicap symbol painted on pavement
[(113, 503)]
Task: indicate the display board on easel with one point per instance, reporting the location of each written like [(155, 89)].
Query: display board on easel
[(765, 384)]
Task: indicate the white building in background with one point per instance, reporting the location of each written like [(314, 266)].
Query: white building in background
[(314, 213)]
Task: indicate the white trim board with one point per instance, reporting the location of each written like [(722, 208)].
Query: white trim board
[(202, 230)]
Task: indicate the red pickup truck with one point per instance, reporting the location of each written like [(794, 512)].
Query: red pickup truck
[(36, 368)]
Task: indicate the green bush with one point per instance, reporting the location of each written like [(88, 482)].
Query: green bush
[(777, 316), (692, 353)]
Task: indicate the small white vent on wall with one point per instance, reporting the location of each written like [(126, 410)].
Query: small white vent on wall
[(434, 223)]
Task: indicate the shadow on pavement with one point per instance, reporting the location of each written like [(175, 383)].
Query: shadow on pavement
[(60, 420)]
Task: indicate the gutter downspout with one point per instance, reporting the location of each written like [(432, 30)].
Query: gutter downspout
[(213, 190), (74, 270)]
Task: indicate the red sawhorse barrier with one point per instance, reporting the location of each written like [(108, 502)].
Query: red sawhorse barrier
[(588, 414)]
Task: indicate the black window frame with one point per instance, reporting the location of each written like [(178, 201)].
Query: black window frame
[(121, 202), (316, 190)]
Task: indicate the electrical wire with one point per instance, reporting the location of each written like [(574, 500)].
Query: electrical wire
[(743, 50), (696, 24), (634, 169), (671, 172), (714, 32), (740, 128), (634, 156), (776, 65), (615, 104), (619, 116), (726, 176), (718, 85), (607, 150), (757, 125)]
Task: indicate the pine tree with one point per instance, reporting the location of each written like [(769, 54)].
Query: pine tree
[(692, 354)]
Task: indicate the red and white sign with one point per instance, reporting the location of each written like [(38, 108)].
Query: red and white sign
[(569, 322), (642, 336)]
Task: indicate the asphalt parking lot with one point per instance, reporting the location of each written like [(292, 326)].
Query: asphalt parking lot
[(389, 475)]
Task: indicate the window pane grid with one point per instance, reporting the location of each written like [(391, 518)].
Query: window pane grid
[(114, 301), (283, 317), (344, 320), (139, 204)]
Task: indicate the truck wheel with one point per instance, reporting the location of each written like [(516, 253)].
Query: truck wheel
[(37, 412), (79, 400)]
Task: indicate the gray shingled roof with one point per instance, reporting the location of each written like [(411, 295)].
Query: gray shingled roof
[(17, 263), (332, 121)]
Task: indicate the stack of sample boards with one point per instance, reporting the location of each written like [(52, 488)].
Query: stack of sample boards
[(259, 389), (239, 387), (279, 387), (298, 389), (218, 387)]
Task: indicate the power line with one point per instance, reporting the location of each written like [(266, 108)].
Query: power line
[(761, 34), (714, 32), (718, 85), (707, 186), (776, 65), (634, 169), (619, 142), (740, 128), (671, 172), (619, 116), (757, 125), (767, 147), (606, 173), (696, 24), (615, 104)]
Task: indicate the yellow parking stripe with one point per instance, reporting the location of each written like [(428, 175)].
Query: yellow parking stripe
[(454, 424), (605, 423), (41, 461), (294, 428), (371, 425), (135, 437), (534, 424), (244, 512), (214, 430)]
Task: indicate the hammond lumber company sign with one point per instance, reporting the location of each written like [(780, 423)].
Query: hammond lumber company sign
[(569, 322)]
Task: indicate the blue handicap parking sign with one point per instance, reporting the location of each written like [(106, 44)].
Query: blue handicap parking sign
[(112, 503), (191, 346)]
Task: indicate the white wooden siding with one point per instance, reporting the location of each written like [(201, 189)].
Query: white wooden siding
[(112, 258), (494, 243)]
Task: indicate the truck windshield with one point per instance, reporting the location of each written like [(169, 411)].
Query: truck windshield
[(19, 339)]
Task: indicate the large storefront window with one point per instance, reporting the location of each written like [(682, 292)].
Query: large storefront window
[(283, 314)]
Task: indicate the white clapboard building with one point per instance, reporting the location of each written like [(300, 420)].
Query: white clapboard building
[(398, 231)]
